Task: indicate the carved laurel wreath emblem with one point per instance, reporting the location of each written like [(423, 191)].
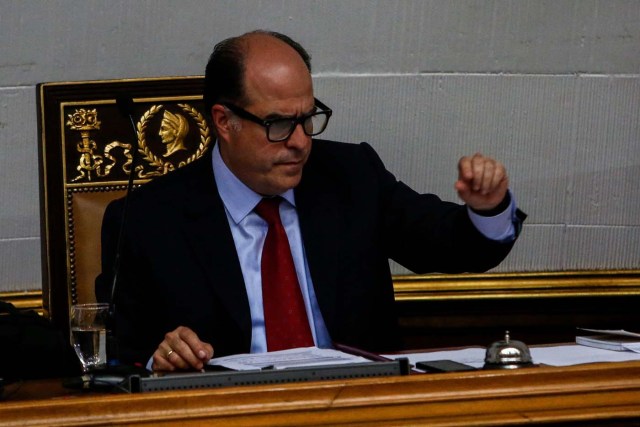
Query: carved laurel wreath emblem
[(162, 166)]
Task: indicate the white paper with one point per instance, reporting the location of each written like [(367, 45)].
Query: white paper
[(557, 355), (620, 332), (566, 355), (292, 358), (635, 347)]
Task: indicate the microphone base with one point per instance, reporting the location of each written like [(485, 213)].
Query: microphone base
[(111, 378)]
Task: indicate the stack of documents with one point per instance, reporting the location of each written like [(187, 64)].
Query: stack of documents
[(292, 358), (617, 340)]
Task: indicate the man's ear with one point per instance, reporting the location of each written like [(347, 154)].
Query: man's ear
[(221, 118)]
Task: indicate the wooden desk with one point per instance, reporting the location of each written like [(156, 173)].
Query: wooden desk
[(596, 394)]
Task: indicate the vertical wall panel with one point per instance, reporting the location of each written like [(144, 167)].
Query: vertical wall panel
[(19, 209), (612, 246), (606, 165), (20, 264)]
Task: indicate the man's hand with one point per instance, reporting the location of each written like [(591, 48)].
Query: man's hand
[(482, 182), (181, 349)]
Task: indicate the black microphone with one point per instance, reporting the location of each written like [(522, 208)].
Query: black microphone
[(125, 107)]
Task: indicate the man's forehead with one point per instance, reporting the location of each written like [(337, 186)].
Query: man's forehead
[(284, 85), (273, 57)]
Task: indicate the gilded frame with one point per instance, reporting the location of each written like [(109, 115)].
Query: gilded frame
[(549, 284), (449, 287)]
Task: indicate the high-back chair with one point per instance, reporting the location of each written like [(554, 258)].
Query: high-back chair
[(85, 159)]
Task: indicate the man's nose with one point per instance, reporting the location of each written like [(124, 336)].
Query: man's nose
[(298, 138)]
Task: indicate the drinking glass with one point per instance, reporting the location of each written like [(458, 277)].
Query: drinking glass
[(89, 334)]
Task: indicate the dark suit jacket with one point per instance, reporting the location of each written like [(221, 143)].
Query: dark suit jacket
[(179, 265)]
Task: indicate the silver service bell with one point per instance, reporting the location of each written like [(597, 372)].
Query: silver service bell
[(507, 354)]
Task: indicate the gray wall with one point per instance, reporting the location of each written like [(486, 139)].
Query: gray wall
[(551, 88)]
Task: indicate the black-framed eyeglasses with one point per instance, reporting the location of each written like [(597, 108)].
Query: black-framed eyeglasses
[(280, 129)]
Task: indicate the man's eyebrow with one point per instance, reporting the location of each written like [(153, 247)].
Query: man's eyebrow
[(277, 116)]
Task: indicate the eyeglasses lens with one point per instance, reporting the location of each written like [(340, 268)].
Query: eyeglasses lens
[(279, 130), (315, 124)]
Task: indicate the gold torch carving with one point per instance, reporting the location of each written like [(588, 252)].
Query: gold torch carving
[(86, 121)]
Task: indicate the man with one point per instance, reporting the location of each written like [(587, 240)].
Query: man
[(199, 287)]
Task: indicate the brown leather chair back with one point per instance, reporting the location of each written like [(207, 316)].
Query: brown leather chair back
[(86, 149)]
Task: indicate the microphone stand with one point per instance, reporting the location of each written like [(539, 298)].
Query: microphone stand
[(125, 106)]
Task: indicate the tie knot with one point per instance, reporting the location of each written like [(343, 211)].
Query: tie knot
[(269, 209)]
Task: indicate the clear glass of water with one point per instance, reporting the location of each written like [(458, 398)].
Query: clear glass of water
[(89, 334)]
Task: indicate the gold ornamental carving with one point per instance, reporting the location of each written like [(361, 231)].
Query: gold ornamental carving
[(168, 138), (163, 166), (89, 162)]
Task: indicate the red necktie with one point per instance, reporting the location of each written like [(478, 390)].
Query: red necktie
[(285, 316)]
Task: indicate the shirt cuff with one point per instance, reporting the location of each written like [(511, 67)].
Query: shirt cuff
[(499, 227)]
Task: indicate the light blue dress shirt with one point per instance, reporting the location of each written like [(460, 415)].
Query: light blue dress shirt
[(249, 232)]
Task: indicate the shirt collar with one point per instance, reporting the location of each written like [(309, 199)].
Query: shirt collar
[(238, 199)]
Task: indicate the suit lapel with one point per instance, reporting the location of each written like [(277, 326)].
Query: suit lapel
[(207, 229), (319, 203)]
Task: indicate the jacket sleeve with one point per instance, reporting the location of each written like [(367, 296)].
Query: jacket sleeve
[(425, 234)]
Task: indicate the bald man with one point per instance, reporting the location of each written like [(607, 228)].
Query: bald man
[(197, 289)]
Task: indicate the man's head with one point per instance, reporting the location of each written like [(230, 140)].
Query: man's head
[(224, 75), (267, 75)]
